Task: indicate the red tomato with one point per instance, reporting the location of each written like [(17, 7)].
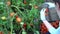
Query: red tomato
[(46, 10), (16, 16), (1, 32), (24, 24), (25, 2)]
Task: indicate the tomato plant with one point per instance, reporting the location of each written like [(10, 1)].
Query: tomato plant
[(16, 14)]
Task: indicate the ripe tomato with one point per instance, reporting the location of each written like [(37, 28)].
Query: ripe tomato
[(25, 2), (16, 16), (36, 6), (18, 19), (24, 25), (11, 14), (8, 3), (1, 32), (46, 10), (57, 21)]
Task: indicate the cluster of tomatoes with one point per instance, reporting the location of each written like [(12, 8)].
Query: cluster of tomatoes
[(1, 32), (44, 29), (18, 19)]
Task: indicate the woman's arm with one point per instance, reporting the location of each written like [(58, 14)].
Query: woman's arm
[(47, 24)]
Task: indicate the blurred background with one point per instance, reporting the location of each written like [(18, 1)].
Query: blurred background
[(23, 17)]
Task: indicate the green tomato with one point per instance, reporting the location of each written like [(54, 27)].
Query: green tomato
[(3, 18), (23, 32)]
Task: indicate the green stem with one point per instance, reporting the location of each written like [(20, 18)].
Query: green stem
[(19, 12), (11, 27), (12, 23)]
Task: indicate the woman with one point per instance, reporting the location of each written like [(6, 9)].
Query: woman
[(50, 28)]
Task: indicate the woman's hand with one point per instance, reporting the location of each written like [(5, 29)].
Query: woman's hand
[(47, 24)]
